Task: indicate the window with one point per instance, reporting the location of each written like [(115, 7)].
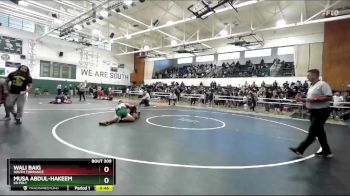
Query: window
[(4, 19), (228, 56), (57, 70), (28, 26), (45, 68), (258, 53), (185, 60), (17, 23), (285, 50), (205, 58), (105, 46)]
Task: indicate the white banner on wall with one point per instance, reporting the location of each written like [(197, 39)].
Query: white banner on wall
[(107, 72), (98, 76)]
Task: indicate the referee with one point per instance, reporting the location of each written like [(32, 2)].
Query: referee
[(317, 101)]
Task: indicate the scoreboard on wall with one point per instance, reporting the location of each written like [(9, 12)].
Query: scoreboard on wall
[(61, 174), (10, 45)]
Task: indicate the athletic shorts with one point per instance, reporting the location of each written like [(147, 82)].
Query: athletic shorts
[(122, 112)]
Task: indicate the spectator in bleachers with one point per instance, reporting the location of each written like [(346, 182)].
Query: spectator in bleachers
[(264, 91), (347, 96), (233, 69), (275, 84), (306, 85), (336, 102)]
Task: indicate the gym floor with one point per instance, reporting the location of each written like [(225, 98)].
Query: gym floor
[(176, 150)]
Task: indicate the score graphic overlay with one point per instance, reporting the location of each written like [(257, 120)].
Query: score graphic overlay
[(61, 174)]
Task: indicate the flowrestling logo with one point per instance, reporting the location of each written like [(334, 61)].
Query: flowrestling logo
[(330, 13)]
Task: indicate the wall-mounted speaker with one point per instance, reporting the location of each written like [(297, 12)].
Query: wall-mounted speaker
[(60, 54), (23, 56)]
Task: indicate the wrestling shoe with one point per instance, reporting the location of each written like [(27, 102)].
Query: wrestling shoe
[(6, 118), (103, 123), (325, 155), (18, 121), (296, 152)]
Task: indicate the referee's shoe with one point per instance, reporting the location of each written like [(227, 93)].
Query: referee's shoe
[(325, 155)]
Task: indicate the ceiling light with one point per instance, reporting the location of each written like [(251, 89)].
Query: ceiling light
[(173, 43), (94, 20), (104, 13), (127, 36), (57, 21), (100, 17), (117, 9), (146, 47), (245, 3), (142, 1), (78, 27), (208, 14), (280, 23), (96, 32), (23, 3), (88, 23), (127, 2), (223, 32)]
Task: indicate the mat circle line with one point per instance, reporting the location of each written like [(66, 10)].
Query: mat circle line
[(220, 167), (223, 124)]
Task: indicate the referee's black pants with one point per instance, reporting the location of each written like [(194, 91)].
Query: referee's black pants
[(317, 118)]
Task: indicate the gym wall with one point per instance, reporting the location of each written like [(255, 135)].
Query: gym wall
[(48, 49), (336, 55)]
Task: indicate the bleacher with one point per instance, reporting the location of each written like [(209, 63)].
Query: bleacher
[(277, 68)]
